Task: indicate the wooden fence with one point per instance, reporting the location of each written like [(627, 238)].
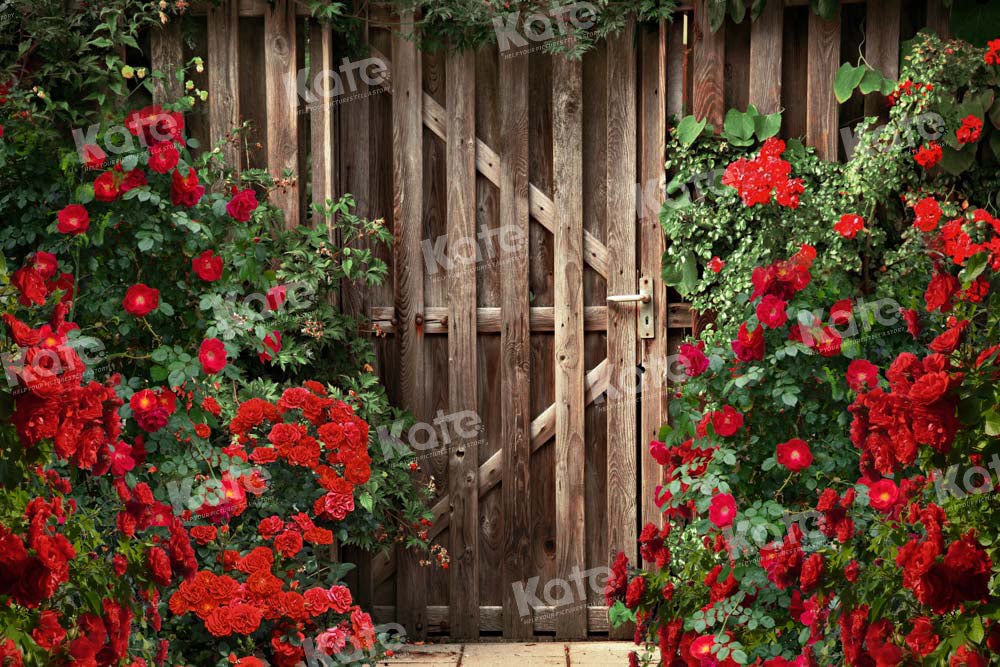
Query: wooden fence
[(544, 157)]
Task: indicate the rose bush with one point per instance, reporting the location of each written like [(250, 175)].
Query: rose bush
[(828, 490), (185, 286)]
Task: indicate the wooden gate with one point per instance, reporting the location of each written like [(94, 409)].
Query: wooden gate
[(523, 192)]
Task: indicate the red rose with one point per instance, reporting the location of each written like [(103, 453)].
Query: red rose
[(159, 565), (244, 619), (340, 599), (218, 622), (882, 495), (207, 266), (48, 634), (727, 422), (722, 511), (212, 356), (912, 321), (140, 300), (204, 534), (929, 155), (749, 345), (862, 374), (63, 283), (771, 312), (849, 225), (105, 187), (30, 285), (966, 657), (922, 640), (133, 179), (93, 156), (949, 340), (153, 420), (851, 571), (794, 454), (45, 263), (73, 219), (185, 190), (22, 334), (812, 570), (693, 359), (928, 212), (929, 387), (288, 543), (272, 342), (276, 296), (163, 157), (970, 131), (242, 205)]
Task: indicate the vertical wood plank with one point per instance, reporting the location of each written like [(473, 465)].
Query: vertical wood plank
[(675, 67), (321, 121), (407, 173), (938, 18), (356, 171), (821, 105), (166, 56), (463, 474), (652, 176), (622, 332), (709, 67), (224, 78), (567, 163), (515, 353), (882, 47), (282, 119), (765, 58)]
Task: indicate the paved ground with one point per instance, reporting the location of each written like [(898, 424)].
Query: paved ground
[(540, 654)]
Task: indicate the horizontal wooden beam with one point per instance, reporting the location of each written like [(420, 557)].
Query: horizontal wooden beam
[(256, 8), (489, 320), (491, 618)]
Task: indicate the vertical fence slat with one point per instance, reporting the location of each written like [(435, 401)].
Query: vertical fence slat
[(938, 18), (653, 128), (282, 120), (321, 120), (224, 77), (166, 55), (567, 170), (709, 67), (882, 47), (407, 174), (765, 58), (463, 460), (515, 350), (821, 105), (356, 171), (622, 331)]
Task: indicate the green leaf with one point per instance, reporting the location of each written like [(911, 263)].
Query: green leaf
[(689, 273), (992, 422), (737, 10), (738, 125), (619, 614), (973, 268), (767, 126), (689, 129), (158, 373), (847, 79), (955, 162), (871, 81), (145, 244), (716, 14), (757, 8), (995, 114)]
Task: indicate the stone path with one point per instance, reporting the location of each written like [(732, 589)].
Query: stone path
[(537, 654)]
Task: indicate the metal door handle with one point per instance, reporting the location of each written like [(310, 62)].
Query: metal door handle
[(642, 297)]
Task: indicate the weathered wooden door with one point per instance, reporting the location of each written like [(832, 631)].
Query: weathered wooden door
[(527, 303)]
